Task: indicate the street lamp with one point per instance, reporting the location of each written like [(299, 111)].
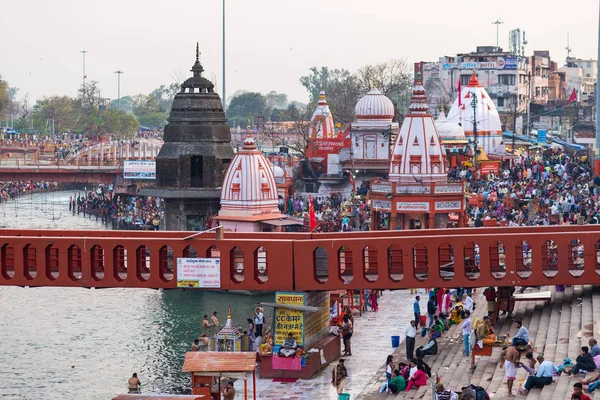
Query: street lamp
[(119, 72), (83, 53)]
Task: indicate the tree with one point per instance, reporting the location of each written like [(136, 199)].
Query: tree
[(244, 107), (298, 128), (4, 100), (341, 87), (119, 123), (126, 104), (61, 110)]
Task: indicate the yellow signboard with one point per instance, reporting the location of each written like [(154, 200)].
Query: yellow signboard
[(289, 321)]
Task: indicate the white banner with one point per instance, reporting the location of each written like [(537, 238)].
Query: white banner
[(199, 272), (447, 205), (139, 169), (412, 206)]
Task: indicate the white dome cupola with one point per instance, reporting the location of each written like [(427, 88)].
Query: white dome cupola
[(249, 186), (374, 108)]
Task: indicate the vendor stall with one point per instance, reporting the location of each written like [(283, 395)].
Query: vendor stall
[(208, 368)]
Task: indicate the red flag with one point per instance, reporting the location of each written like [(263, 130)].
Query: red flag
[(573, 96), (85, 77), (459, 96), (311, 213)]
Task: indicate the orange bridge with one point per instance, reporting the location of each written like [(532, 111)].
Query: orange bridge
[(475, 257)]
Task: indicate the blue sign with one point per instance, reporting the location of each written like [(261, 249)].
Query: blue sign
[(541, 136), (508, 62)]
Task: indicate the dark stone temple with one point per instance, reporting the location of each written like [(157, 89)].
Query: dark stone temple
[(194, 158)]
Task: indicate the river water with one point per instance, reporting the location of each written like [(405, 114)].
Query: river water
[(72, 343)]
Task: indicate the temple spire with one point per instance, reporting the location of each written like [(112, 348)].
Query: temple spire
[(197, 68)]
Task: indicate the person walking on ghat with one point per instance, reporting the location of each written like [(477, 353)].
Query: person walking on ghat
[(410, 334), (347, 331), (417, 310), (338, 377)]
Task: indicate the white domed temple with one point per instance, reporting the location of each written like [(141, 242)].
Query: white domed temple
[(417, 194), (373, 132), (489, 127), (249, 198)]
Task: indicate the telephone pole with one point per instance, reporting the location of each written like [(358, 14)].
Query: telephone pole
[(497, 22), (119, 72)]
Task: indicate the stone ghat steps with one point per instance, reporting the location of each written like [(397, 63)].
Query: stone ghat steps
[(558, 330)]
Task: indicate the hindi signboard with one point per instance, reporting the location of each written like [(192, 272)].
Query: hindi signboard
[(199, 273), (289, 321), (139, 169), (412, 206)]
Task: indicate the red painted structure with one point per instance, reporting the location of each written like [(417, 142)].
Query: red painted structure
[(464, 257), (62, 174)]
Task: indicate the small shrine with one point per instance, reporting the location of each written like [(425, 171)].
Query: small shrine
[(249, 195), (229, 338), (417, 194)]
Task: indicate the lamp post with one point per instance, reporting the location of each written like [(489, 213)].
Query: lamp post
[(474, 106), (83, 53), (119, 72), (597, 143), (497, 23)]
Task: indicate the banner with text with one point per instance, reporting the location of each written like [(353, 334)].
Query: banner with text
[(139, 169), (199, 273), (289, 321)]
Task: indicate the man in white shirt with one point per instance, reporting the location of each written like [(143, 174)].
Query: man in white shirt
[(467, 303), (411, 333), (259, 319), (466, 331)]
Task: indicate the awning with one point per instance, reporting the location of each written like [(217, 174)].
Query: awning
[(218, 362), (282, 222), (572, 145)]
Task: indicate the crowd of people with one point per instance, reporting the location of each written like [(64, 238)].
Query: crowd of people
[(539, 189), (336, 212), (122, 211), (12, 189)]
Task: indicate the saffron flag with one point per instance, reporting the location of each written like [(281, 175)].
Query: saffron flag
[(459, 96), (573, 96), (311, 214)]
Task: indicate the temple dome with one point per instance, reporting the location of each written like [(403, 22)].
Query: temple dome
[(249, 186), (489, 126), (321, 123), (448, 129), (374, 107), (419, 155)]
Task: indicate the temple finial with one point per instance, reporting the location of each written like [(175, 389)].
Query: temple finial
[(249, 129), (197, 52)]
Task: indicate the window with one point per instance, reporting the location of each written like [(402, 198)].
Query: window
[(500, 102), (197, 171), (537, 91), (507, 80), (464, 80)]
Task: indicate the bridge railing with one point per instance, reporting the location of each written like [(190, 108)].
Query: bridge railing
[(260, 261)]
